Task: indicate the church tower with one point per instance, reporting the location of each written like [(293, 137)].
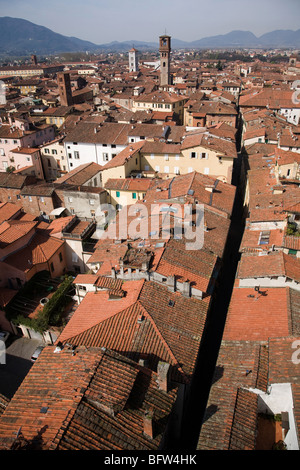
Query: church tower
[(133, 60), (64, 87), (165, 51)]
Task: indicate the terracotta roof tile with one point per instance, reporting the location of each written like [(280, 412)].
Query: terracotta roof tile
[(222, 146), (282, 367), (125, 155), (3, 403), (44, 407), (244, 425), (80, 175), (273, 264), (100, 308), (128, 184), (251, 240), (58, 225), (194, 187), (142, 324), (87, 399), (9, 210), (266, 314), (111, 413), (40, 249), (224, 419), (13, 230), (176, 260), (12, 180), (273, 99)]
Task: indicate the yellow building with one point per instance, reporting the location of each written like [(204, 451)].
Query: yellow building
[(208, 155), (57, 116), (161, 158), (160, 101), (121, 166), (199, 152), (125, 191), (27, 87)]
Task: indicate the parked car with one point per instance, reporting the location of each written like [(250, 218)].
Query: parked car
[(4, 335), (36, 353)]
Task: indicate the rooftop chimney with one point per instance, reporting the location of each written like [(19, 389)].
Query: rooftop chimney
[(163, 369), (186, 289), (148, 424), (171, 282)]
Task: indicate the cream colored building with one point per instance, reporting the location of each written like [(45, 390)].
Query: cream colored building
[(199, 152), (54, 159), (208, 155), (123, 164), (160, 101), (123, 192), (161, 158)]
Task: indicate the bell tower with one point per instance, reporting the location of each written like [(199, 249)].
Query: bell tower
[(64, 87), (165, 51), (133, 60)]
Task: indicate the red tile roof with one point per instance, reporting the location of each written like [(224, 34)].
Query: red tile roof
[(3, 403), (245, 418), (13, 230), (47, 397), (194, 187), (128, 184), (81, 174), (275, 263), (209, 142), (142, 324), (266, 315), (226, 424), (100, 308), (251, 240), (176, 260), (85, 399), (111, 414), (8, 210), (125, 155), (58, 225), (40, 250), (283, 368), (271, 98)]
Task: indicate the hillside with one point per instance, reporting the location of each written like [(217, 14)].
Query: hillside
[(21, 37)]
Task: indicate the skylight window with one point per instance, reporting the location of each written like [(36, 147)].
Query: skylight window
[(264, 237)]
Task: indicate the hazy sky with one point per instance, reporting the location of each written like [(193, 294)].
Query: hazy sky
[(102, 21)]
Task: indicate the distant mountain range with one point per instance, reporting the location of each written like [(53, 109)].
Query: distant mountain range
[(21, 37)]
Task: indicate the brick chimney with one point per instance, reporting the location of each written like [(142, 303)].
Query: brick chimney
[(162, 380), (148, 424)]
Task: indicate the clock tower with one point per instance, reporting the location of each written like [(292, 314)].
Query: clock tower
[(165, 51)]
